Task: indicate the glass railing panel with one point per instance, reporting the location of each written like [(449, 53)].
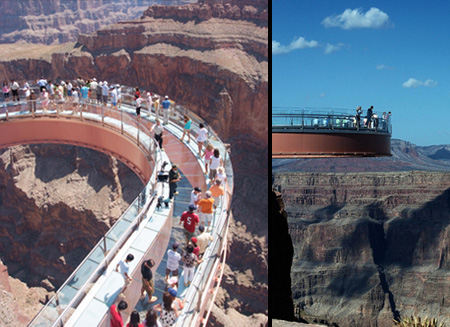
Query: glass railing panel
[(65, 295), (84, 273), (119, 228), (98, 254), (48, 316)]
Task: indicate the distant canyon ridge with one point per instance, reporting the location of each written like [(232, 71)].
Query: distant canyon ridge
[(210, 56)]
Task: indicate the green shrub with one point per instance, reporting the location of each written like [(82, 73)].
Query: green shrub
[(418, 322)]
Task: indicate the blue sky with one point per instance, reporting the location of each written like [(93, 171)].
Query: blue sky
[(394, 55)]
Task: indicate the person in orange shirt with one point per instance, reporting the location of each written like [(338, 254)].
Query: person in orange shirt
[(217, 191), (206, 209)]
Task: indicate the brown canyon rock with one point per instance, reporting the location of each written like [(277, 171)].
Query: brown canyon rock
[(59, 21), (56, 201), (368, 246)]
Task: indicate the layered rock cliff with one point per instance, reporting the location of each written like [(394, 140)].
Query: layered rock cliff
[(46, 191), (59, 21), (368, 247)]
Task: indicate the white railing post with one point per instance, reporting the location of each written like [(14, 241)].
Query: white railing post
[(121, 121), (138, 129)]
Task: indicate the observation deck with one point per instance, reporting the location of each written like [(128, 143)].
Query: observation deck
[(144, 230), (309, 133)]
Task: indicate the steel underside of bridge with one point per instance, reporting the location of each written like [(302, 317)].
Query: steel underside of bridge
[(329, 143)]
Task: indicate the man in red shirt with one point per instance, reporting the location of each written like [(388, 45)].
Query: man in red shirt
[(190, 219), (116, 318)]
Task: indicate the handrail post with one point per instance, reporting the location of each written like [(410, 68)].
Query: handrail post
[(138, 130), (103, 116), (121, 121), (33, 103), (7, 114), (81, 111)]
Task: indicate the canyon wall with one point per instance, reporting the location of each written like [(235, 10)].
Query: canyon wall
[(368, 247), (59, 21), (45, 192)]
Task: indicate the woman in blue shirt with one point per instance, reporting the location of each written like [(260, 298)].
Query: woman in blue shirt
[(187, 128)]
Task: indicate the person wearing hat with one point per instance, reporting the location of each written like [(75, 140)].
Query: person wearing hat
[(203, 240), (105, 93), (173, 282), (195, 245), (174, 178), (189, 219), (157, 130), (166, 107), (176, 301), (147, 280), (173, 261), (195, 195), (93, 88)]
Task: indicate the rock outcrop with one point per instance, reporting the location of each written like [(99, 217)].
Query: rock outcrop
[(368, 247), (280, 261), (45, 191)]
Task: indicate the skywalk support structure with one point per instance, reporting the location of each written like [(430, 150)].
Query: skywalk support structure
[(142, 228), (313, 133)]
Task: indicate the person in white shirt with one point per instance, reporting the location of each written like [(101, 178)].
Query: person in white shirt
[(157, 131), (119, 95), (93, 88), (69, 91), (124, 266), (202, 136), (26, 88), (195, 194), (215, 162), (75, 100), (138, 107), (15, 90), (105, 93), (173, 261), (114, 97), (203, 240)]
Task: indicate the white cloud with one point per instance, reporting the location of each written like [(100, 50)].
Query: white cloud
[(430, 83), (380, 67), (414, 83), (330, 48), (373, 18), (297, 43)]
